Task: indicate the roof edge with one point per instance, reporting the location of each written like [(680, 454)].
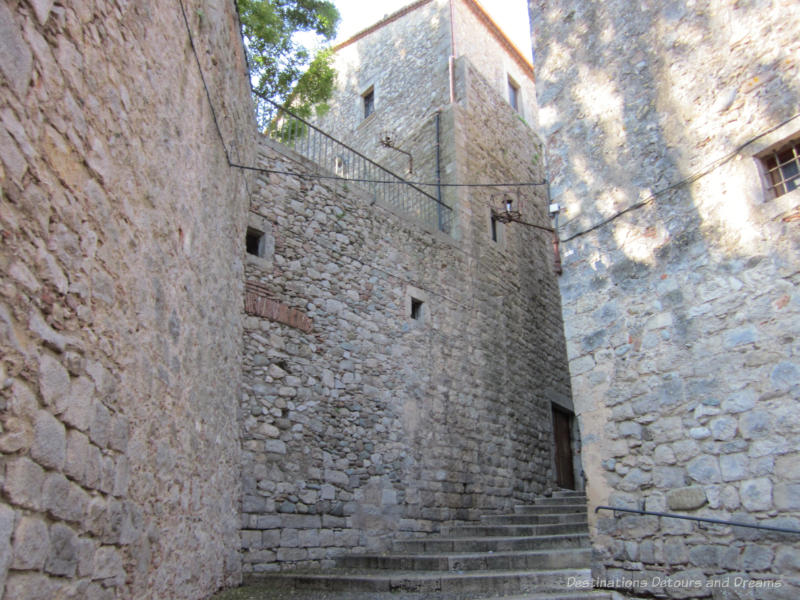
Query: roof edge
[(501, 37), (385, 21), (477, 10)]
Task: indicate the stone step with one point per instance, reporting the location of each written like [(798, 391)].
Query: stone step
[(551, 507), (510, 543), (566, 595), (273, 591), (439, 584), (530, 522), (574, 499), (491, 530), (566, 493), (551, 518), (527, 559)]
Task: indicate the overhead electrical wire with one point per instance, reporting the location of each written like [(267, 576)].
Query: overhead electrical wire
[(685, 181), (319, 175), (637, 205)]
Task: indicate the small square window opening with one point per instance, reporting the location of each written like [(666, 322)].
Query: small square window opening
[(254, 242), (416, 309), (369, 102), (513, 94), (782, 168)]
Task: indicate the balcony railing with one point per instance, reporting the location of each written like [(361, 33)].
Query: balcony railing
[(345, 162)]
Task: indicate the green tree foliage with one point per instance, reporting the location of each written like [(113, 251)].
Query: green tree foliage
[(281, 68)]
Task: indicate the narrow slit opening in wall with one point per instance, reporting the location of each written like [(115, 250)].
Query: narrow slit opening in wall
[(254, 242), (494, 228), (416, 309)]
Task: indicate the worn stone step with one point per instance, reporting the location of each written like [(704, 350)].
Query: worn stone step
[(546, 518), (566, 595), (551, 508), (526, 520), (491, 530), (272, 591), (535, 519), (576, 499), (445, 585), (526, 559), (492, 544)]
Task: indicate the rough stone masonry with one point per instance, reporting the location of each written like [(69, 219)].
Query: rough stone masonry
[(360, 421), (120, 302), (138, 461), (682, 315)]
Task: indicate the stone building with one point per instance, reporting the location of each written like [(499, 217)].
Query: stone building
[(662, 124), (394, 374), (178, 413), (412, 378), (120, 312)]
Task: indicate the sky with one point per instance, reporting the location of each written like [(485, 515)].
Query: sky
[(510, 15)]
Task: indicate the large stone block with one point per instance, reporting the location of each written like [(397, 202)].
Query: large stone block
[(734, 467), (108, 566), (62, 558), (704, 469), (49, 446), (756, 494), (23, 482), (30, 586), (6, 529), (15, 55), (687, 498), (757, 558), (31, 544), (17, 435), (787, 496), (754, 424)]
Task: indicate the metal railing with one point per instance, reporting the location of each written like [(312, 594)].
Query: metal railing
[(701, 519), (388, 189)]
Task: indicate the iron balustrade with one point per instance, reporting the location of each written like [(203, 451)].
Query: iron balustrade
[(701, 519), (349, 164)]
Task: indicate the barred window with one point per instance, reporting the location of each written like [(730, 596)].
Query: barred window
[(782, 168)]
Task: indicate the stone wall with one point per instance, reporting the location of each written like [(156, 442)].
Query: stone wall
[(681, 314), (360, 422), (120, 318), (404, 60), (405, 63), (486, 47)]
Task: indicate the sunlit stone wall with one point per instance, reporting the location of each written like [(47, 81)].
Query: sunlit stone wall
[(404, 61), (682, 315), (120, 298)]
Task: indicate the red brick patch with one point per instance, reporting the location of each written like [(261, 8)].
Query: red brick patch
[(259, 304)]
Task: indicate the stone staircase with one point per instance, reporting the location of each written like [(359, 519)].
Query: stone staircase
[(541, 551)]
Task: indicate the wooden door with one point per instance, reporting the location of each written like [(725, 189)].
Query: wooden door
[(565, 477)]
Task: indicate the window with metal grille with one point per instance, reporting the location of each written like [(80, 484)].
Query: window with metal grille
[(782, 168)]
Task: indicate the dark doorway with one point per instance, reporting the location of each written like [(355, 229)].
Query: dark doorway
[(562, 425)]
